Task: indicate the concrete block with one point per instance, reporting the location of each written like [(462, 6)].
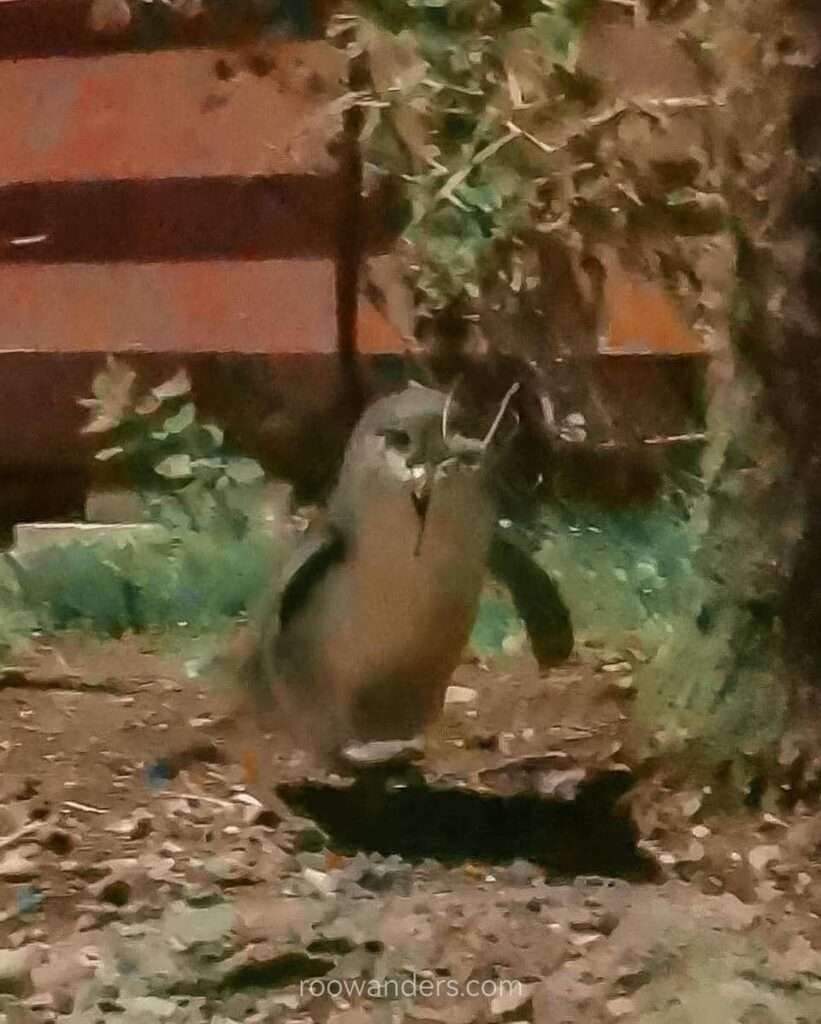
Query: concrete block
[(30, 538)]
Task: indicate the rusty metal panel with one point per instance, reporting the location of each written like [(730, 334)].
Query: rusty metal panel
[(272, 306), (641, 318), (275, 306), (182, 114)]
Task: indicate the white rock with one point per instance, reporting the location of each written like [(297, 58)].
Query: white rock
[(760, 856), (620, 1007), (460, 695), (320, 880), (510, 999), (14, 867), (15, 971)]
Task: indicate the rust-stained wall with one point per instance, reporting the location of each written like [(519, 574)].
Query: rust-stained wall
[(171, 114), (171, 195)]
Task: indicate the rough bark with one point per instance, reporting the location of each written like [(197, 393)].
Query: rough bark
[(747, 651)]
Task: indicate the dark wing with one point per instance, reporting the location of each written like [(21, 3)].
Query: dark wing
[(317, 552), (537, 600), (315, 555)]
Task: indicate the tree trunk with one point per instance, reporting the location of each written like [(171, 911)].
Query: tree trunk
[(746, 652)]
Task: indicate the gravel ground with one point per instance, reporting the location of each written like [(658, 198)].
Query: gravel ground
[(166, 857)]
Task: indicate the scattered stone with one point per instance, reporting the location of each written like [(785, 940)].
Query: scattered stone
[(192, 926), (607, 922), (620, 1007), (383, 752), (511, 999), (227, 871), (690, 804), (460, 695), (736, 915), (760, 857), (692, 853), (393, 874), (150, 1007), (322, 881), (63, 973), (14, 867), (138, 826), (15, 971), (624, 686), (561, 785)]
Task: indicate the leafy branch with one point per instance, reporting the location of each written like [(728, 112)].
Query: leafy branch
[(504, 142), (178, 464)]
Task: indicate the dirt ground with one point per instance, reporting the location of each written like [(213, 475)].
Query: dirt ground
[(160, 861)]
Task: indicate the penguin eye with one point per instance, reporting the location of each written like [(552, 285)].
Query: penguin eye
[(398, 439)]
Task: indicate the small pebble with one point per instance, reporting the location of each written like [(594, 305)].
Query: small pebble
[(460, 695), (620, 1007)]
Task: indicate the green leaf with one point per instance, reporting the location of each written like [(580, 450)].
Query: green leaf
[(100, 424), (555, 30), (244, 471), (174, 467), (483, 197), (217, 435), (146, 406), (108, 453), (112, 391), (179, 384), (179, 421)]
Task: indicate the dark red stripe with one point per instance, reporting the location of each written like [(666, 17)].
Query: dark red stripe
[(201, 218), (44, 28)]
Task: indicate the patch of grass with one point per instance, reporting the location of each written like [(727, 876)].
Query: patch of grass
[(496, 622), (211, 553), (16, 620), (622, 573), (625, 575), (197, 579)]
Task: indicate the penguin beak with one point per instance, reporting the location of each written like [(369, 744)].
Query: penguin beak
[(422, 485), (424, 478)]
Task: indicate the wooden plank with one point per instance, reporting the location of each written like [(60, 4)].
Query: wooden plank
[(274, 306), (167, 115), (42, 28), (172, 219), (278, 307)]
